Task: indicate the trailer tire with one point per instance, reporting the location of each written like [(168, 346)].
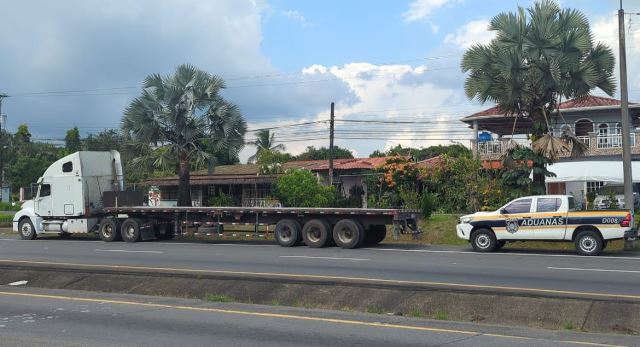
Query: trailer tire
[(109, 230), (130, 230), (164, 231), (26, 229), (483, 240), (588, 242), (288, 232), (375, 234), (316, 233), (348, 233)]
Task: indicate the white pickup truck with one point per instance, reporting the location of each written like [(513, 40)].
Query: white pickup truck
[(546, 218)]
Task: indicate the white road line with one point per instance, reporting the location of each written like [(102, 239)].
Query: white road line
[(326, 258), (126, 251), (499, 253), (594, 270)]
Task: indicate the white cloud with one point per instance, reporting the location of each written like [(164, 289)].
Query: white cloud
[(474, 32), (382, 92), (420, 9), (294, 15)]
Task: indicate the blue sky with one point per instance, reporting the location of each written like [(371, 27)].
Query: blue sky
[(284, 61)]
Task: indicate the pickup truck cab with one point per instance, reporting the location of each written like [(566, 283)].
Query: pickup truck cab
[(546, 218)]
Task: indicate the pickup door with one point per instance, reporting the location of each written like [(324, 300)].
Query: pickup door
[(549, 219)]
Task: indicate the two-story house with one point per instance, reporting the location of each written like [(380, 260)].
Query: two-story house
[(595, 120)]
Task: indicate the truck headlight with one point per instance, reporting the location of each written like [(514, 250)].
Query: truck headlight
[(465, 219)]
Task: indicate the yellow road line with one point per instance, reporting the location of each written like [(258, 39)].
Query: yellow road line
[(294, 317), (339, 278)]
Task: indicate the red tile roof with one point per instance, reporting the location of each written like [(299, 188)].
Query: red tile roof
[(338, 164), (430, 163), (590, 101)]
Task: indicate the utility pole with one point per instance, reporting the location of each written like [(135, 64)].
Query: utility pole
[(626, 124), (331, 134)]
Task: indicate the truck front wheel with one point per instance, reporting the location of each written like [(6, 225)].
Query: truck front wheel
[(109, 230), (131, 230), (483, 240), (288, 232), (316, 233), (26, 229), (589, 242)]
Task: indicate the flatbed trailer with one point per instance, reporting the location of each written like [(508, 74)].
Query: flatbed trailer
[(316, 227)]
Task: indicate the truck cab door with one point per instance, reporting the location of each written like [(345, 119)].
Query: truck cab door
[(549, 219), (516, 215), (42, 202)]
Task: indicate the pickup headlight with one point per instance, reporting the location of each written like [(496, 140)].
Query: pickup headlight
[(465, 219)]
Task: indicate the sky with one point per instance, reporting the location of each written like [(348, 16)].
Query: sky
[(81, 62)]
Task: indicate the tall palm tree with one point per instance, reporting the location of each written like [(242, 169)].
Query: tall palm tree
[(537, 58), (265, 141), (180, 120)]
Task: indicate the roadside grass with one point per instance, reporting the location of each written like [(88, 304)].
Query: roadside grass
[(6, 218), (218, 298)]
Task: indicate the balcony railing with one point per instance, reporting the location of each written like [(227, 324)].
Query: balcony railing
[(593, 143), (613, 141)]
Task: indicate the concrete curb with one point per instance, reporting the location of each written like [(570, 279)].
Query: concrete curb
[(549, 312)]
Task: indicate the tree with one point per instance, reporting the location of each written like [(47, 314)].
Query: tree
[(322, 153), (72, 141), (181, 119), (537, 58), (265, 141), (422, 153), (300, 188), (271, 162)]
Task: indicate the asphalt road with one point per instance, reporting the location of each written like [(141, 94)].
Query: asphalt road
[(32, 317), (609, 275)]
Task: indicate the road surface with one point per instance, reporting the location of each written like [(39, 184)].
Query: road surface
[(32, 317), (612, 275)]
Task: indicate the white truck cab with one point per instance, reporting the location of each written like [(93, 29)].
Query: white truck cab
[(69, 196), (545, 218)]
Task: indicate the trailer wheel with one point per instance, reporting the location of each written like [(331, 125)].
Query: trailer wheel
[(483, 240), (288, 232), (375, 234), (109, 230), (130, 230), (316, 233), (26, 229), (348, 233), (164, 231), (589, 242)]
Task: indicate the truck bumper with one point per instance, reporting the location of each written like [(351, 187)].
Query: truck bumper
[(464, 231)]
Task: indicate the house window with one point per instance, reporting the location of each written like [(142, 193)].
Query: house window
[(603, 138), (583, 127), (594, 186)]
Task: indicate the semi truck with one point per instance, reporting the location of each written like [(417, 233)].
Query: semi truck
[(84, 192)]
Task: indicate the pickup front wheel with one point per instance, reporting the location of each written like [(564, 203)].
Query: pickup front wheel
[(589, 242), (483, 240)]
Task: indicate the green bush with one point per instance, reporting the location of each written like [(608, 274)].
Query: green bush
[(300, 188), (427, 204), (4, 206), (6, 218), (221, 199)]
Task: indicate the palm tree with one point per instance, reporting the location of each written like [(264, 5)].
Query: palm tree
[(265, 141), (537, 58), (180, 120)]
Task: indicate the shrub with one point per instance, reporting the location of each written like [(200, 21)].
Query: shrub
[(4, 206), (221, 199), (427, 204), (300, 188)]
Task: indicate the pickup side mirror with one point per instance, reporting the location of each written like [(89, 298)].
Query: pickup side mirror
[(503, 211)]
